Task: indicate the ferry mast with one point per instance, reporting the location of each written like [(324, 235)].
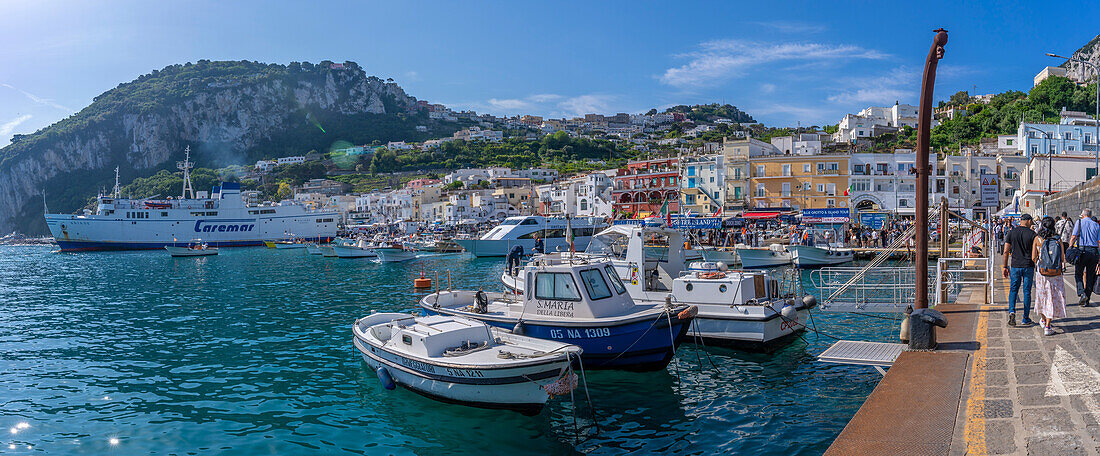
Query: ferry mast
[(185, 166)]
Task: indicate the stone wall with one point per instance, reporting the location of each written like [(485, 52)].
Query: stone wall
[(1084, 195)]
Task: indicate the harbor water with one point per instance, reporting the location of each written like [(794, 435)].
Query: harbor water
[(249, 352)]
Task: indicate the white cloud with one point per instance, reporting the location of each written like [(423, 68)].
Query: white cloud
[(508, 104), (39, 100), (899, 84), (7, 127), (584, 104), (723, 59), (543, 97), (767, 88)]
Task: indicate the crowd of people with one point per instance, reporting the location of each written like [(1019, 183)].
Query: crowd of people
[(1037, 255)]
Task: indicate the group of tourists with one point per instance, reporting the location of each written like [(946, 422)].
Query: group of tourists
[(1037, 256)]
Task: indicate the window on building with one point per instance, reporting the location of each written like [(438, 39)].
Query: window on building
[(1053, 150), (1088, 138), (1070, 148), (1034, 149), (786, 189), (903, 202), (833, 166), (821, 188), (737, 173), (760, 190), (830, 189), (786, 169), (830, 203), (1068, 136), (759, 170), (1031, 176), (805, 167)]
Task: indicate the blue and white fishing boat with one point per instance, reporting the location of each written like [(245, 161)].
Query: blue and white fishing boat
[(584, 304)]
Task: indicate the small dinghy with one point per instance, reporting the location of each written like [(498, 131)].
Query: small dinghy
[(615, 331), (465, 361), (193, 249)]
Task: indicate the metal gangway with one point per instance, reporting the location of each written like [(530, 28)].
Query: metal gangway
[(880, 289)]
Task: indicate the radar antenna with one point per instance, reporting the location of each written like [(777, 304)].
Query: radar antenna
[(186, 166), (116, 192)]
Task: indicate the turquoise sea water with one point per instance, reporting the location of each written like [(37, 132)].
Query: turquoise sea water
[(249, 352)]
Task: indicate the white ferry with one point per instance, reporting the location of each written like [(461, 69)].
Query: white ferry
[(522, 231), (221, 220)]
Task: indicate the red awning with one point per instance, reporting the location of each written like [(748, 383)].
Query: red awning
[(760, 215)]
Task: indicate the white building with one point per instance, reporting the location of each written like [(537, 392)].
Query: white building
[(1047, 175), (582, 196), (885, 182), (801, 144), (874, 121), (398, 145), (477, 134), (1074, 134), (266, 165), (290, 160)]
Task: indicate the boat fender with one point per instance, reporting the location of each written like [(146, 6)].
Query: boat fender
[(518, 329), (809, 302), (723, 266), (385, 378), (690, 312), (789, 312), (481, 302)]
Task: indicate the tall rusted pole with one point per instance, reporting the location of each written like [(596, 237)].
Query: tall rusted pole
[(924, 132)]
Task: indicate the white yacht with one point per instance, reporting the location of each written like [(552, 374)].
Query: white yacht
[(522, 231), (221, 218)]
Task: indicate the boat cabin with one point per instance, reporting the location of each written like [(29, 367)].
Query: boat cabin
[(436, 335), (650, 257), (584, 290), (732, 287)]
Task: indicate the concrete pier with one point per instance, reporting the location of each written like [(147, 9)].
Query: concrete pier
[(990, 389)]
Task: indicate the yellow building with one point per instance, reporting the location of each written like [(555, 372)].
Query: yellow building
[(799, 181)]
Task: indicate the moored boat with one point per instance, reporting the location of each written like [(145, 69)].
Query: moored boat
[(394, 252), (193, 249), (522, 231), (313, 248), (614, 331), (763, 257), (328, 251), (805, 256), (350, 248), (465, 361)]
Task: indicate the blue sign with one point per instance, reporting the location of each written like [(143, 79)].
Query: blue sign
[(826, 215), (875, 220), (697, 223), (629, 222)]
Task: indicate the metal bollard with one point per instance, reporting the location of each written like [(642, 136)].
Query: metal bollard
[(922, 328)]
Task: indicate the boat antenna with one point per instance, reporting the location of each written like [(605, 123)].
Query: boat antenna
[(186, 166), (45, 210), (117, 192)]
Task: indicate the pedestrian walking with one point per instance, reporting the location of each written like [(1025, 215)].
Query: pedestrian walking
[(1064, 227), (1085, 234), (1019, 268), (1050, 293)]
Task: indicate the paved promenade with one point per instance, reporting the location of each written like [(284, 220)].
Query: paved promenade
[(1030, 393), (990, 389)]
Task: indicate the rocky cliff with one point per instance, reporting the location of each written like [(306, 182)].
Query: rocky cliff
[(227, 112), (1089, 53)]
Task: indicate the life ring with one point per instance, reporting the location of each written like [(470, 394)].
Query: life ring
[(712, 275)]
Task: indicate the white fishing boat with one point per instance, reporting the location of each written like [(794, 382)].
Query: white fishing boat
[(288, 244), (805, 256), (522, 231), (194, 249), (727, 255), (313, 248), (741, 307), (465, 361), (394, 252), (763, 257), (350, 248)]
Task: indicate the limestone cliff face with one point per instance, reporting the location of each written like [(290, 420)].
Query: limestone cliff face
[(1090, 52), (228, 107)]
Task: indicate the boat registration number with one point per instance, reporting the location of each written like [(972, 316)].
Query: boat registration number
[(587, 333)]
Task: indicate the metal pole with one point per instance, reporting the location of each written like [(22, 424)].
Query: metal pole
[(924, 130)]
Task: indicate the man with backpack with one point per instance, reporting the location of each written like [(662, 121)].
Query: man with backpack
[(1085, 235), (1021, 269)]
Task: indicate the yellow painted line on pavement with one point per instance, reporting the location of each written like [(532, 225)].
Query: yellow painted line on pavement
[(974, 431)]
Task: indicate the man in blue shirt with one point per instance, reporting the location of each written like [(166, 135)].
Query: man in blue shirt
[(1085, 233)]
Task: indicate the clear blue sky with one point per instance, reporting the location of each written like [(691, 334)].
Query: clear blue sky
[(780, 62)]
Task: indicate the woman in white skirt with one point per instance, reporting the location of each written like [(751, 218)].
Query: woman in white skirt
[(1050, 292)]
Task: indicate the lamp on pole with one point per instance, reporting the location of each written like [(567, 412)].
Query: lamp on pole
[(1096, 119)]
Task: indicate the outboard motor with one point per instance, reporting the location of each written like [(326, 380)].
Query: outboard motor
[(512, 262)]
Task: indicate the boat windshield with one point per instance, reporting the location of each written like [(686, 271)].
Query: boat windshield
[(615, 281), (556, 285), (612, 245), (595, 284)]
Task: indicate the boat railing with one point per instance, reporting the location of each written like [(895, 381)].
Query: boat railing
[(882, 289)]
